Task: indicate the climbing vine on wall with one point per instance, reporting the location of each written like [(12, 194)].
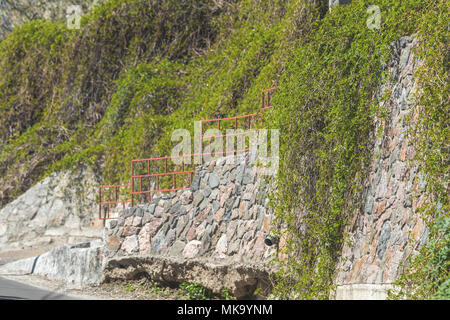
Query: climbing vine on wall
[(326, 108), (426, 274), (83, 97)]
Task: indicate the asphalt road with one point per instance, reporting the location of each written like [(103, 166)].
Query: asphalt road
[(14, 290)]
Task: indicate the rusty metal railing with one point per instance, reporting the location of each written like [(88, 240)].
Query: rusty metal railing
[(158, 184), (266, 98), (154, 179), (105, 202), (266, 103)]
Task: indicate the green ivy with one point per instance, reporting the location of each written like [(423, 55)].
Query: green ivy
[(326, 106), (426, 275), (116, 89), (195, 291)]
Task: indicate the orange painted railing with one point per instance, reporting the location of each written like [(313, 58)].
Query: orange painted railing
[(145, 183), (106, 204), (173, 173)]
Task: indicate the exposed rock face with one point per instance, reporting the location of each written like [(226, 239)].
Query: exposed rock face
[(393, 193), (61, 208)]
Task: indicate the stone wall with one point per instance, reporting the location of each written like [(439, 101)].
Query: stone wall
[(393, 193), (222, 216)]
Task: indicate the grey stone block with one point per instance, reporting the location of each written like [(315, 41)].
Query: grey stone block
[(213, 180), (195, 183), (207, 191), (198, 197), (369, 205), (383, 240), (177, 248)]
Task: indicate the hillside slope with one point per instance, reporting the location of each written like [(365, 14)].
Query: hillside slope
[(115, 90)]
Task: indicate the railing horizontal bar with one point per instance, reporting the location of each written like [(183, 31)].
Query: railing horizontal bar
[(162, 190), (114, 202), (227, 135), (162, 174), (161, 158), (232, 118), (185, 155), (225, 152), (115, 186)]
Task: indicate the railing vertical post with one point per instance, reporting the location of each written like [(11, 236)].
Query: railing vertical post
[(199, 148), (132, 184), (140, 190), (262, 98), (182, 168), (149, 183), (100, 203)]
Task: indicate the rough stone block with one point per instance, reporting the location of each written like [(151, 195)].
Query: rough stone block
[(222, 246), (177, 248), (192, 249), (213, 180), (113, 243), (198, 197), (130, 244)]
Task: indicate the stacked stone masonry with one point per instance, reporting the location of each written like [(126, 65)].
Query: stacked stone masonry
[(222, 216), (379, 235)]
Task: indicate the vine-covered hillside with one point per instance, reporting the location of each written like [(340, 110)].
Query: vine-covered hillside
[(116, 89)]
